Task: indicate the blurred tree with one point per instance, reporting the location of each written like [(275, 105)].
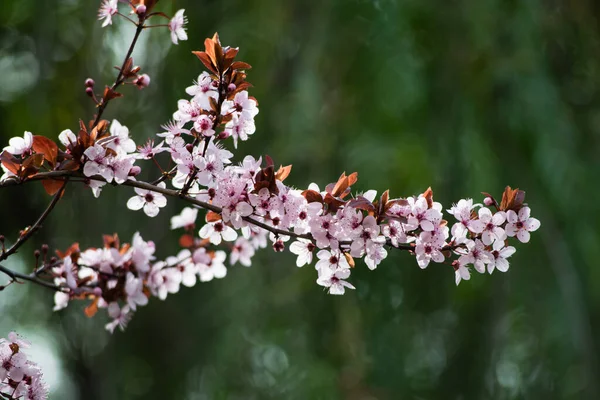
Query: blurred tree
[(463, 96)]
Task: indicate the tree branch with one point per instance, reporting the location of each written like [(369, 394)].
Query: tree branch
[(120, 79), (191, 200), (31, 230)]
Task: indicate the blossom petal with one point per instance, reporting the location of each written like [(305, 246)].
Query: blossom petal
[(523, 236), (135, 203)]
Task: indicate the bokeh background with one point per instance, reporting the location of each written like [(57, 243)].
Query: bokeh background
[(465, 96)]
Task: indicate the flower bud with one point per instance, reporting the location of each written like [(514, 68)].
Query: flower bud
[(89, 91), (89, 82), (53, 260), (488, 201), (36, 254), (140, 10), (231, 87), (135, 171), (97, 291), (189, 147), (223, 135), (45, 249), (142, 81), (2, 239), (278, 246)]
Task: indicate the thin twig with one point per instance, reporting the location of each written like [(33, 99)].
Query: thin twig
[(31, 230), (120, 79), (202, 204), (31, 278)]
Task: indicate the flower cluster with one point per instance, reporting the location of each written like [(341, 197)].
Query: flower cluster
[(110, 8), (122, 277), (248, 204), (20, 378)]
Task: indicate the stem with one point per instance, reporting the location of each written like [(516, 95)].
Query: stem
[(31, 278), (30, 231), (207, 206), (120, 79)]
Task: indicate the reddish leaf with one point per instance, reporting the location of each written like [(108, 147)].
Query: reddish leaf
[(110, 94), (52, 186), (352, 178), (47, 147), (92, 309), (186, 241), (312, 196), (205, 58), (333, 203), (111, 241), (350, 260), (73, 250), (429, 197), (340, 186), (283, 172), (512, 199), (212, 216), (31, 165), (362, 203), (269, 161), (10, 162), (240, 65)]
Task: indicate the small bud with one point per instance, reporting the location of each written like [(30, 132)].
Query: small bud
[(2, 239), (135, 171), (231, 87), (140, 10), (278, 246), (189, 147), (488, 201), (89, 91), (53, 260), (36, 254), (97, 291), (455, 265), (223, 135), (142, 81), (89, 82), (45, 249)]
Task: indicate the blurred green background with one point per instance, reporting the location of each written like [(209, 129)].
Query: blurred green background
[(465, 96)]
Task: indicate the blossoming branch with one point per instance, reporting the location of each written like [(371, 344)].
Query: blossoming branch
[(247, 205), (20, 378)]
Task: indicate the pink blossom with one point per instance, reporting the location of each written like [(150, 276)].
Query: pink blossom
[(303, 248), (149, 200), (476, 255), (521, 224), (120, 316), (20, 146), (204, 126), (427, 249), (121, 142), (177, 27), (461, 271), (462, 212), (242, 251), (203, 89), (335, 280), (214, 269), (331, 260), (108, 8), (491, 226), (217, 231), (186, 219), (499, 255)]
